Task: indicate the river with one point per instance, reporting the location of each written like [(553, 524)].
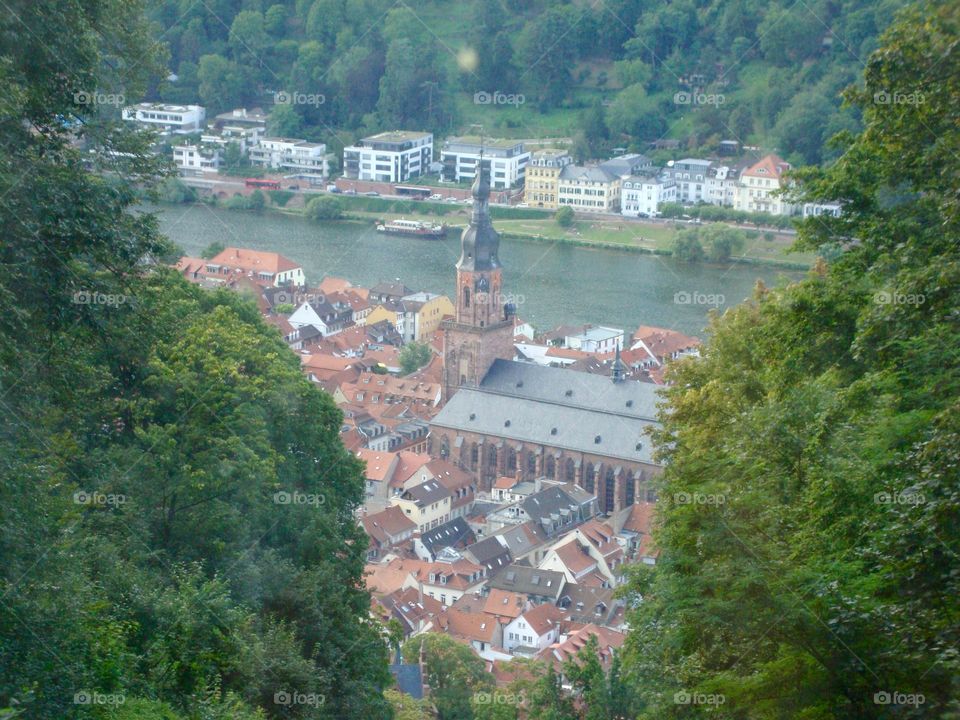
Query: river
[(552, 283)]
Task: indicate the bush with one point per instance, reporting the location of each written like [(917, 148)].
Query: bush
[(564, 216), (324, 207), (280, 197)]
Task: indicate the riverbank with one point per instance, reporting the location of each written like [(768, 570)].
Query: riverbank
[(762, 247)]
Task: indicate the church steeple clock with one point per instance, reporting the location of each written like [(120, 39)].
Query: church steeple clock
[(482, 329)]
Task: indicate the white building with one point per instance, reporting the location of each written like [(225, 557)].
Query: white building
[(244, 136), (758, 185), (507, 159), (690, 176), (536, 629), (196, 159), (642, 196), (818, 209), (588, 189), (722, 182), (292, 155), (598, 339), (394, 156), (179, 119)]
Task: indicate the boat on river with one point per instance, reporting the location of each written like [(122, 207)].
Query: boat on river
[(411, 227)]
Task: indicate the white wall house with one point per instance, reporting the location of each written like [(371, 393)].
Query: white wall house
[(597, 339), (818, 209), (196, 159), (536, 628), (394, 156), (690, 175), (588, 189), (291, 155), (758, 185), (721, 187), (244, 136), (167, 118), (507, 158), (642, 196)]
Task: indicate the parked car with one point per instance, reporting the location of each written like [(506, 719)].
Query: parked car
[(351, 191), (436, 196), (523, 204), (372, 193), (452, 199), (293, 187)]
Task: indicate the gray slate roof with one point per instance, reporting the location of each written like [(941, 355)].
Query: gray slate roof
[(455, 533), (535, 402), (586, 390), (587, 172), (528, 580)]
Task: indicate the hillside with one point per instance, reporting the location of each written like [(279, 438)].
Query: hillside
[(616, 74)]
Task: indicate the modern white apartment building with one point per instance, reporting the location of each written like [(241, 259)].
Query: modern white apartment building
[(167, 118), (292, 155), (722, 182), (690, 176), (642, 196), (588, 189), (394, 156), (596, 339), (758, 185), (196, 159), (507, 159)]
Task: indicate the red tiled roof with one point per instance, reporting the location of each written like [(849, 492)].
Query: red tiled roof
[(543, 618), (379, 464), (389, 523), (770, 166), (256, 260)]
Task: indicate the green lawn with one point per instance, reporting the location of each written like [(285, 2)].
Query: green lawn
[(652, 237)]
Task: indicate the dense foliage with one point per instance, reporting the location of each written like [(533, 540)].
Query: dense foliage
[(615, 73), (810, 508), (176, 510)]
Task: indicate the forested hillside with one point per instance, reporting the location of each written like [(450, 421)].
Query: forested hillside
[(608, 73), (176, 509), (810, 506)]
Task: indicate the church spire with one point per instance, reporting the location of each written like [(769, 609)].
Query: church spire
[(480, 242), (619, 369)]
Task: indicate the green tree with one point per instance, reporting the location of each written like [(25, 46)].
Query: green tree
[(808, 513), (564, 216), (454, 672), (324, 207), (687, 246), (414, 356), (212, 250)]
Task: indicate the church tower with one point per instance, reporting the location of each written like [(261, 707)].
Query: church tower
[(482, 329)]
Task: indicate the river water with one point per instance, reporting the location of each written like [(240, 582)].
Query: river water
[(552, 283)]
